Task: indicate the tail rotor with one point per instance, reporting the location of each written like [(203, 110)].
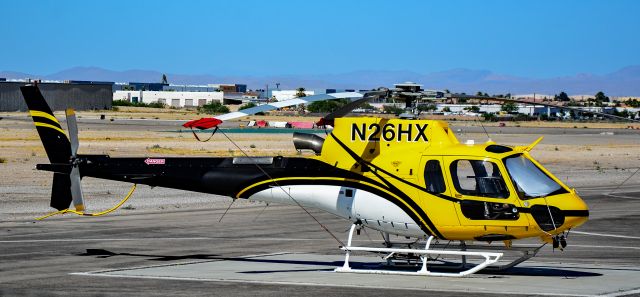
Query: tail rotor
[(76, 188), (62, 151)]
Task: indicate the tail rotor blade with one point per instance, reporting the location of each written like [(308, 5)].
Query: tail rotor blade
[(76, 189), (72, 126)]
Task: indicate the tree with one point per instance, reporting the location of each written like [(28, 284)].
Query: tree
[(473, 108), (156, 105), (479, 94), (601, 97), (633, 103), (164, 79), (213, 107), (368, 107), (446, 109), (489, 117), (250, 105), (562, 97), (426, 107), (247, 105), (509, 107), (446, 91), (392, 109), (624, 113), (327, 106), (300, 92)]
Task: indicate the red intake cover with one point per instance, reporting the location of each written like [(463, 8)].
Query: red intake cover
[(204, 123)]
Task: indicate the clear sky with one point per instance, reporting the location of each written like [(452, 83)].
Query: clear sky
[(527, 38)]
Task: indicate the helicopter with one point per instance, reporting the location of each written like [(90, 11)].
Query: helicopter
[(406, 177)]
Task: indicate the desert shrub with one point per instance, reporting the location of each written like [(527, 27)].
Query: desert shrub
[(137, 104), (213, 107), (392, 109), (250, 105), (327, 106), (156, 105)]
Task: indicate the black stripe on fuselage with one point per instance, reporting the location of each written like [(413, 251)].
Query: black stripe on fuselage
[(575, 213)]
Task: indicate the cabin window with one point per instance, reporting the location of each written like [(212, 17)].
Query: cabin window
[(433, 178), (478, 178)]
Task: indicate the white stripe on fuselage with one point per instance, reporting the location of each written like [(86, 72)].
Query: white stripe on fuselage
[(374, 211)]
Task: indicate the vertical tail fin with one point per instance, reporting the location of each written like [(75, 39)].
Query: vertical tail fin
[(55, 141)]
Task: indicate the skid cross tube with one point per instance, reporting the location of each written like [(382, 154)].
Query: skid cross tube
[(489, 258)]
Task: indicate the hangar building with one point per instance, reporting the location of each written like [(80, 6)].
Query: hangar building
[(81, 95)]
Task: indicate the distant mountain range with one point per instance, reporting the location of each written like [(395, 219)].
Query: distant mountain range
[(624, 82)]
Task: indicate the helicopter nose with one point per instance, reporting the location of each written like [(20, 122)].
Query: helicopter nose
[(578, 214)]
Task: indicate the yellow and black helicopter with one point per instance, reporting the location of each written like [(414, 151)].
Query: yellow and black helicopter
[(405, 177)]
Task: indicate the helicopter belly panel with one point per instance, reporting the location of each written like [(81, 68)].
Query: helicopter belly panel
[(380, 214), (350, 203)]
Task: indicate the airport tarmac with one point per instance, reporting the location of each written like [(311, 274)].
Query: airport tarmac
[(281, 251)]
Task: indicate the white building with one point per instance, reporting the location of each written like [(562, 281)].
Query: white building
[(282, 95), (174, 99)]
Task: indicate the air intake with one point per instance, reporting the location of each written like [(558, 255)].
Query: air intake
[(305, 141)]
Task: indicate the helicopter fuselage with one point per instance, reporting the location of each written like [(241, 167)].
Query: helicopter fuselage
[(406, 177)]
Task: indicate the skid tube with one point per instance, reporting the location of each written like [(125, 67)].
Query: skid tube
[(489, 258)]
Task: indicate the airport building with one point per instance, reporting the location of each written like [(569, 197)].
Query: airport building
[(142, 86), (172, 99), (81, 95), (282, 95)]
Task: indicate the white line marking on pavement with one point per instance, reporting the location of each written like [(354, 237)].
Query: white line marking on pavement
[(622, 197), (606, 247), (605, 235), (623, 293), (100, 239)]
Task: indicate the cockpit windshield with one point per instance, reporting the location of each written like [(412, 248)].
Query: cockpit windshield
[(529, 180)]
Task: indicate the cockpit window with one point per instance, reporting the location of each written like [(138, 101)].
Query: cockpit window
[(529, 180), (478, 178)]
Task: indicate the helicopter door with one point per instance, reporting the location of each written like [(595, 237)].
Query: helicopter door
[(485, 197), (435, 184)]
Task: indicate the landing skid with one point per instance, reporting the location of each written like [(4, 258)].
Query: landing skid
[(422, 256)]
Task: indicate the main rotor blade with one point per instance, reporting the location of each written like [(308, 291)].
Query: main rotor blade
[(206, 123), (328, 119), (76, 189), (72, 126)]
